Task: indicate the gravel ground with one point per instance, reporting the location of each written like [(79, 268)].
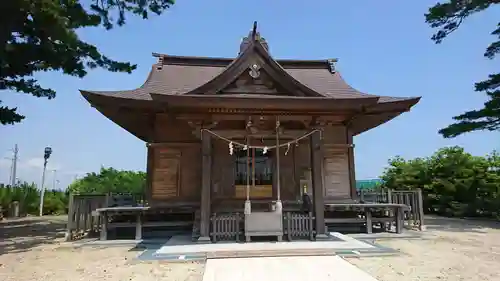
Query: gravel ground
[(33, 249), (452, 249)]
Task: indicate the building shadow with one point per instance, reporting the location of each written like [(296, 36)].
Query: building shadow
[(23, 234)]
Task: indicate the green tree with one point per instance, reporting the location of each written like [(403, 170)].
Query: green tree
[(447, 18), (28, 196), (453, 181), (110, 180), (40, 35)]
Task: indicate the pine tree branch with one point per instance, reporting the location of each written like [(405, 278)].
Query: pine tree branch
[(40, 35)]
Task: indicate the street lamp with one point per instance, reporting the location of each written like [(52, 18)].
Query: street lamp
[(46, 156)]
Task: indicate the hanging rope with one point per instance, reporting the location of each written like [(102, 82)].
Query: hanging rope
[(246, 146), (248, 172), (279, 206), (278, 159), (248, 204)]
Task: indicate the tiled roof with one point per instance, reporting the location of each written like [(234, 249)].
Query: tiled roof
[(307, 86), (180, 78)]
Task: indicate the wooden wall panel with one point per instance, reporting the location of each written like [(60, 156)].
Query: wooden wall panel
[(166, 174), (336, 134), (169, 129), (176, 172), (336, 178), (191, 172)]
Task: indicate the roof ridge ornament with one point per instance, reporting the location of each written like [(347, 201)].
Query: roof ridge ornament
[(253, 35), (331, 66), (254, 31), (159, 65)]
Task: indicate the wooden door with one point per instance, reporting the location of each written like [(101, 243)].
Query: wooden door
[(166, 173), (222, 170), (288, 184), (336, 174)]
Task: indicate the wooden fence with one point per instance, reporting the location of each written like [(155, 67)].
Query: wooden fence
[(226, 226), (412, 198), (81, 219), (299, 225)]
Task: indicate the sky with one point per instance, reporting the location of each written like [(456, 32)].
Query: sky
[(383, 47)]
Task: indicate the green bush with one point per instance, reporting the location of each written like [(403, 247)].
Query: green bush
[(28, 196), (110, 180), (453, 182)]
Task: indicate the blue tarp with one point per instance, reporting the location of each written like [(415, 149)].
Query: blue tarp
[(368, 184)]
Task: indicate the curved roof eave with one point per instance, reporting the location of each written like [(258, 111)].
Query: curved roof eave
[(387, 109), (132, 122), (118, 98)]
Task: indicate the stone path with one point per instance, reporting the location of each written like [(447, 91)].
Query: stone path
[(311, 268)]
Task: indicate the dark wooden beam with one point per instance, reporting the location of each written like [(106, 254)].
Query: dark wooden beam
[(206, 170), (317, 182), (149, 172), (160, 144), (286, 134), (352, 169)]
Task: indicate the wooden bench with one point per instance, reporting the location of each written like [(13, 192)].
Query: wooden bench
[(138, 213), (104, 213), (395, 211)]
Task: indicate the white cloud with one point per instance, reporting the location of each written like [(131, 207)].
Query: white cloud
[(38, 163), (5, 163)]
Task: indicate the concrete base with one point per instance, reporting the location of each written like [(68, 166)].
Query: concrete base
[(182, 246), (203, 239), (322, 237)]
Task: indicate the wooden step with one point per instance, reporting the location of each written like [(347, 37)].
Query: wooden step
[(270, 253)]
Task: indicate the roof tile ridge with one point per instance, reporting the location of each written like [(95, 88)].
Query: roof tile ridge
[(150, 76), (341, 78), (144, 84)]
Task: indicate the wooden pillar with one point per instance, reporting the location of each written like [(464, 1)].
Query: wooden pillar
[(352, 169), (138, 226), (317, 183), (71, 218), (206, 170), (149, 173)]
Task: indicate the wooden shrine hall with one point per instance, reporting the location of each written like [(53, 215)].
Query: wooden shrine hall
[(240, 141)]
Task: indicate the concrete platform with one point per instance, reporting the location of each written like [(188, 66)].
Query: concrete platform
[(312, 268), (182, 245)]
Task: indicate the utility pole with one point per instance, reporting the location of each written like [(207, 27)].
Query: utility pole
[(10, 172), (14, 166), (46, 156)]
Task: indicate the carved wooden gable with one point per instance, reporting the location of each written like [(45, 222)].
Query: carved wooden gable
[(255, 72), (254, 81)]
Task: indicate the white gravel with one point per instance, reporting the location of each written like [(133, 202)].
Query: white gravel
[(452, 250), (31, 252)]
